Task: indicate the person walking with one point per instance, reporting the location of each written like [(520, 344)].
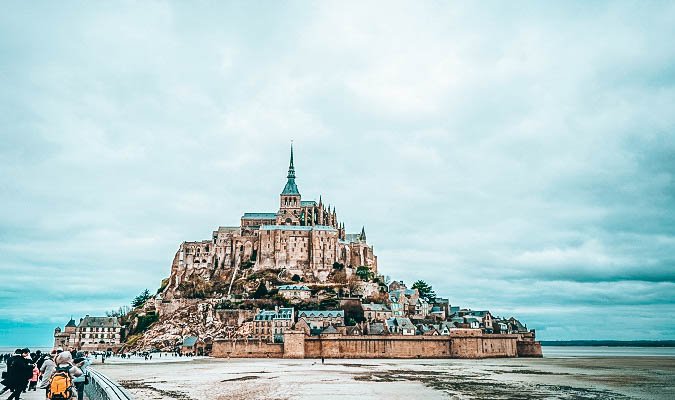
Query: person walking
[(47, 370), (64, 363), (18, 374), (32, 384), (83, 362)]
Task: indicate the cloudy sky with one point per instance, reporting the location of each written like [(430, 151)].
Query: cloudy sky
[(517, 156)]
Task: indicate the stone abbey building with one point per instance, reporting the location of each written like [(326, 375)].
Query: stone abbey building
[(303, 237)]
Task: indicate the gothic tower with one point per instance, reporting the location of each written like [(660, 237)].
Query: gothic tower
[(289, 209)]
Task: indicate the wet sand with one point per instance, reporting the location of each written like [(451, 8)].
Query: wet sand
[(514, 378)]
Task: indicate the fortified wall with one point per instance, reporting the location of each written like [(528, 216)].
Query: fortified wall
[(297, 345)]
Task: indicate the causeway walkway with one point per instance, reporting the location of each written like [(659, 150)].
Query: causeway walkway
[(31, 395)]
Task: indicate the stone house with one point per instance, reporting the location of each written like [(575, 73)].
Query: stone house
[(99, 332), (377, 328), (192, 345), (92, 333), (269, 325), (401, 326), (376, 312), (319, 319), (295, 292), (422, 308)]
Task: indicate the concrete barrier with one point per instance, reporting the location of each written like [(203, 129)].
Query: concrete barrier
[(100, 387)]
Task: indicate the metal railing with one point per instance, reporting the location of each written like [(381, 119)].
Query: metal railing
[(100, 387)]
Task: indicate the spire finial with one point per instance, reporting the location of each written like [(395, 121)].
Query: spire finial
[(291, 187), (291, 168)]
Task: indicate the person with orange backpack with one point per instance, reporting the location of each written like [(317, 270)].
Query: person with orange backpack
[(61, 382)]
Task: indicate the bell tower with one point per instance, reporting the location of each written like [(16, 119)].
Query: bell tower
[(289, 205)]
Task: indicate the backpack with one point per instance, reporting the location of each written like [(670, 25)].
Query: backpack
[(60, 384)]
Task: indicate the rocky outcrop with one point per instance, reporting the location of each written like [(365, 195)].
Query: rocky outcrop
[(199, 318)]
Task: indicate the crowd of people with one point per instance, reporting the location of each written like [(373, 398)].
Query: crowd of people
[(62, 374)]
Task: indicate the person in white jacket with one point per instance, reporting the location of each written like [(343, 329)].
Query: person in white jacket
[(83, 362), (47, 370)]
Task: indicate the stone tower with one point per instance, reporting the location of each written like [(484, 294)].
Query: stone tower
[(289, 204)]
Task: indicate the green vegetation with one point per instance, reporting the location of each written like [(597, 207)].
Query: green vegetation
[(364, 273), (261, 292), (163, 285), (140, 300), (144, 322), (353, 313), (426, 291)]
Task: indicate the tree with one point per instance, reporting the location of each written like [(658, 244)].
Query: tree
[(261, 291), (141, 298), (364, 273), (425, 290), (353, 312)]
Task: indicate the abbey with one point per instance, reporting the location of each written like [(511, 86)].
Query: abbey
[(303, 238)]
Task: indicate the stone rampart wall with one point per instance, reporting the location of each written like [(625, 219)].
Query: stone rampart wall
[(529, 349), (336, 346), (246, 349), (411, 347)]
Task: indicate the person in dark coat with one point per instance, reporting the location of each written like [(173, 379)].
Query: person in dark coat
[(5, 375), (19, 372)]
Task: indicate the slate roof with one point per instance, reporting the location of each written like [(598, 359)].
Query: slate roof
[(377, 328), (71, 324), (480, 313), (307, 203), (403, 323), (190, 341), (99, 322), (352, 237), (293, 287), (259, 216), (321, 314), (268, 315), (329, 329), (375, 307)]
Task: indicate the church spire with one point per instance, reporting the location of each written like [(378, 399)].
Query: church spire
[(291, 188), (291, 168), (363, 234)]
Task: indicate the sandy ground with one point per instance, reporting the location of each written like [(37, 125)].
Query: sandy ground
[(516, 378)]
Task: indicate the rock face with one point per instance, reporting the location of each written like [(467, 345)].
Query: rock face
[(198, 318)]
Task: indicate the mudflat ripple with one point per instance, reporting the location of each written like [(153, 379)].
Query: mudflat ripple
[(519, 378)]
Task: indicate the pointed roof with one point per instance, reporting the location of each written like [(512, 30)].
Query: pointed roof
[(71, 323), (291, 188), (363, 233)]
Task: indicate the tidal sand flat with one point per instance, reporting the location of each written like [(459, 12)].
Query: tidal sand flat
[(634, 377)]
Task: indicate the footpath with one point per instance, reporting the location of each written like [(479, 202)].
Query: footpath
[(37, 395)]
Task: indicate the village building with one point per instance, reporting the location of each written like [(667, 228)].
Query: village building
[(295, 292), (376, 312), (317, 319), (192, 345), (269, 325), (92, 333), (376, 328), (65, 338), (401, 326)]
